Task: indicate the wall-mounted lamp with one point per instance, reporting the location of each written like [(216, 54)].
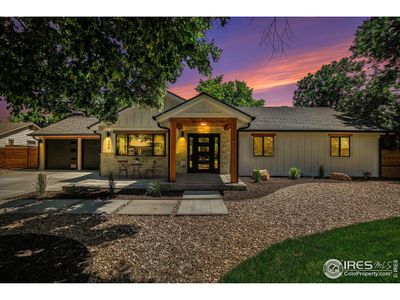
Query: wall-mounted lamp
[(203, 124), (108, 134), (182, 134)]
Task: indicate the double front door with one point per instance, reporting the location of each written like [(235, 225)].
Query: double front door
[(203, 153)]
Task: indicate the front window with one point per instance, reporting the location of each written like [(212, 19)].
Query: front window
[(340, 146), (263, 146), (138, 144)]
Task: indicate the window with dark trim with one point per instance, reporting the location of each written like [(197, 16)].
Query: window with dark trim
[(340, 146), (263, 146), (138, 144)]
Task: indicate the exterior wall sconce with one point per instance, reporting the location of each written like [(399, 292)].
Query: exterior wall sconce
[(203, 124), (182, 134), (108, 134)]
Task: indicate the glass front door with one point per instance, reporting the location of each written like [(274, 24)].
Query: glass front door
[(203, 153)]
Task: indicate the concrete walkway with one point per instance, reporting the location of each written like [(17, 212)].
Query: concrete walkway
[(202, 203), (91, 207)]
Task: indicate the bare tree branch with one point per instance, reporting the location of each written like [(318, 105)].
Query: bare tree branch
[(277, 36)]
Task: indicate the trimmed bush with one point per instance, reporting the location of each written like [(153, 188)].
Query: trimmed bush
[(111, 183), (257, 175), (294, 173), (321, 172), (154, 189), (41, 184)]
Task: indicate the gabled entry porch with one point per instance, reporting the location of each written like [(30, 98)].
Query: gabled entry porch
[(203, 137)]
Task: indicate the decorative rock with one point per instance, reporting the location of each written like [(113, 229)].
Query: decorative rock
[(264, 175), (340, 176)]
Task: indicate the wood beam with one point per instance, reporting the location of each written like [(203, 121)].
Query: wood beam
[(227, 126), (234, 173), (179, 126), (172, 151), (339, 134), (263, 134), (198, 121)]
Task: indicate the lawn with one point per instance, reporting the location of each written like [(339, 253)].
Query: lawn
[(302, 260)]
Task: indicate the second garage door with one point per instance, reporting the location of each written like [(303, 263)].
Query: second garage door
[(90, 154)]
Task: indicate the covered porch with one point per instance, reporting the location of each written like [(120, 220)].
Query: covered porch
[(203, 139)]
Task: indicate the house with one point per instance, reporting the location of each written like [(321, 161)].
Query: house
[(17, 134), (204, 135)]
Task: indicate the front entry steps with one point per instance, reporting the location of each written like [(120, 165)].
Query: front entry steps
[(202, 203)]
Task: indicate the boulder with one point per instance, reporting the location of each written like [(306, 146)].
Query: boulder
[(264, 175), (340, 176)]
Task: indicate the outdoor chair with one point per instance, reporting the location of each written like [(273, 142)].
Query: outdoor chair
[(151, 172), (123, 167)]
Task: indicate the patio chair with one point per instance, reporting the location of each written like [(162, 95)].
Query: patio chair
[(123, 167), (151, 172)]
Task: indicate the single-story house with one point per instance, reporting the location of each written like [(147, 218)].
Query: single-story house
[(204, 135), (17, 134)]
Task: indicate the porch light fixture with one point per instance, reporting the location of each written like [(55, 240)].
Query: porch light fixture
[(203, 124), (108, 134), (182, 134)]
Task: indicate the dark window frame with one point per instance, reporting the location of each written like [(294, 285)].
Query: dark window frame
[(144, 133), (340, 146), (262, 141)]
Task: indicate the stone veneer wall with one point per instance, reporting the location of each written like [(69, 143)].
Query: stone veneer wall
[(181, 147), (109, 163)]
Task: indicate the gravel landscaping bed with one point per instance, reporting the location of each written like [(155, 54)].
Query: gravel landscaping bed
[(203, 248)]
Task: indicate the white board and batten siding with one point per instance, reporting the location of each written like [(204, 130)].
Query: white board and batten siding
[(20, 138), (308, 151)]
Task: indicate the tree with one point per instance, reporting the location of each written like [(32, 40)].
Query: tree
[(235, 93), (329, 85), (378, 39), (54, 66)]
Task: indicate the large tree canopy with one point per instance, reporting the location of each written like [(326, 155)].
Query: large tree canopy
[(235, 93), (330, 84), (97, 65), (367, 85)]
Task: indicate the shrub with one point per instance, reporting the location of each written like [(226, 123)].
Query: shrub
[(41, 184), (111, 183), (257, 175), (321, 172), (154, 189), (294, 173)]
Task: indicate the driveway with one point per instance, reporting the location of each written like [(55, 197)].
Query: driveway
[(15, 183)]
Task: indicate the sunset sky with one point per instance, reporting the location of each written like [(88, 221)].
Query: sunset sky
[(317, 41)]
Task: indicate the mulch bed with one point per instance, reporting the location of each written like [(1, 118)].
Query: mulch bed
[(204, 248), (31, 258)]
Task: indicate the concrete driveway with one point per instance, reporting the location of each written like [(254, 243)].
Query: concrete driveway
[(15, 183)]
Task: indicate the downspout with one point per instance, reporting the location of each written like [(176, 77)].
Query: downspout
[(237, 145), (169, 141)]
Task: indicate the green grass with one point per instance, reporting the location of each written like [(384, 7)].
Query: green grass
[(302, 260)]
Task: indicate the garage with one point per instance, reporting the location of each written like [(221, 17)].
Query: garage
[(90, 154), (61, 154)]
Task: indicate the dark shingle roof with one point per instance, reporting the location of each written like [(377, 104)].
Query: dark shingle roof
[(304, 119), (73, 125), (12, 126)]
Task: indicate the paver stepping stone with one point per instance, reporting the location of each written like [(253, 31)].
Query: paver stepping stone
[(46, 206), (202, 207), (201, 195), (97, 206), (148, 207)]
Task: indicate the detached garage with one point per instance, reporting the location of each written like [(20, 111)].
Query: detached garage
[(69, 145)]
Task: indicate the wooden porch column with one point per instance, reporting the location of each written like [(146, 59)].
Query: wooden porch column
[(172, 151), (234, 177)]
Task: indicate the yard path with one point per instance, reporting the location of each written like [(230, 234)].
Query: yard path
[(203, 248)]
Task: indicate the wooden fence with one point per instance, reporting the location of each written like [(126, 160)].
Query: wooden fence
[(14, 157), (390, 163)]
